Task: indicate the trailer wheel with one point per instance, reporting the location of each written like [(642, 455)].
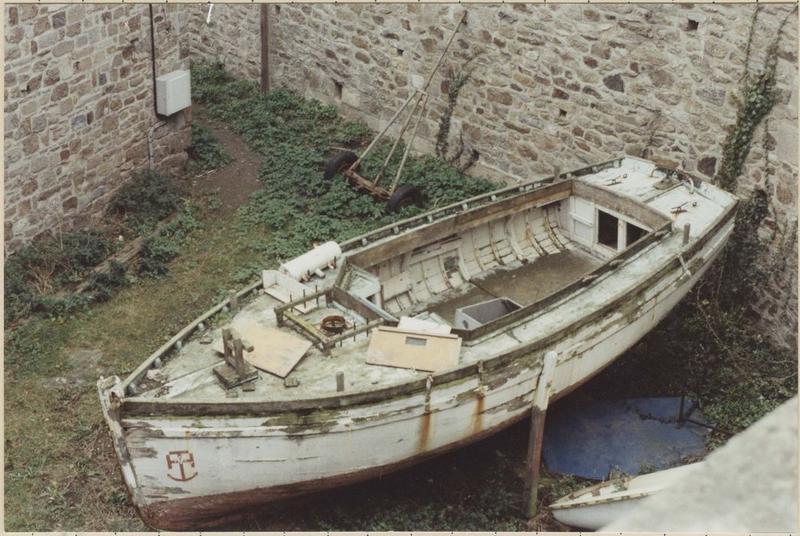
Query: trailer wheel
[(339, 162), (404, 195)]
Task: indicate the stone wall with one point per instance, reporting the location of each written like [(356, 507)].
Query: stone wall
[(79, 108), (233, 37), (559, 86), (553, 86)]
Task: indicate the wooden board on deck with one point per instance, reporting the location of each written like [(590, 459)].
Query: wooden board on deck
[(274, 350), (393, 347)]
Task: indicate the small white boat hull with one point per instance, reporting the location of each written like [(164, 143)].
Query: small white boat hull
[(597, 506)]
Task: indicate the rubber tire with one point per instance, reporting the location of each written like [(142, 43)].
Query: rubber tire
[(404, 195), (339, 162)]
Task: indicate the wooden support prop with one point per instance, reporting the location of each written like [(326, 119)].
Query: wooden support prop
[(339, 382), (410, 143), (233, 301), (686, 230), (397, 139), (538, 412)]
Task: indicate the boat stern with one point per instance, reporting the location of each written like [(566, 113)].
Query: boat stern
[(111, 394)]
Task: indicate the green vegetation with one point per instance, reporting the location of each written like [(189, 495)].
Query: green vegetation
[(42, 277), (206, 152), (61, 470), (455, 81), (164, 245), (144, 201), (36, 276), (296, 136), (754, 104)]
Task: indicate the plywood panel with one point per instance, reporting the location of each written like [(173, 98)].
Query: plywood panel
[(393, 347), (274, 350)]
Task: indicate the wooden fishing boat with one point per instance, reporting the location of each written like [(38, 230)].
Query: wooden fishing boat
[(597, 506), (408, 341)]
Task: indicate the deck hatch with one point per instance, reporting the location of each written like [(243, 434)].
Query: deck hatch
[(477, 315)]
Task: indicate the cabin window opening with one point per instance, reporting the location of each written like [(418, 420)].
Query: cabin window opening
[(633, 233), (607, 229), (416, 341), (692, 25)]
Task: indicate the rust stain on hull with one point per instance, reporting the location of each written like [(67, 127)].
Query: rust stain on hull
[(424, 432), (477, 416)]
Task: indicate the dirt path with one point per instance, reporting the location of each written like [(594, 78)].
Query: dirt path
[(235, 182)]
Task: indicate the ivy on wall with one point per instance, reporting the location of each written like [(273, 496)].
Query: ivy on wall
[(757, 99)]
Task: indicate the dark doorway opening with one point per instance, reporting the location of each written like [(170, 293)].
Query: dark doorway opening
[(633, 233), (607, 229)]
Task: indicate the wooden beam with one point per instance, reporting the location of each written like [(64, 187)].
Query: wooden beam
[(264, 48), (538, 411)]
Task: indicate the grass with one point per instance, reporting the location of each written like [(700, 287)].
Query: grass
[(61, 470)]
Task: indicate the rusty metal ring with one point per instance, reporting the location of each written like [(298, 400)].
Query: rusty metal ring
[(333, 325)]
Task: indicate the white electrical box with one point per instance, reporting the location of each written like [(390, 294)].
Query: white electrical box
[(173, 92)]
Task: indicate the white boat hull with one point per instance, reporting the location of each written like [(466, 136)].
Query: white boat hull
[(188, 471)]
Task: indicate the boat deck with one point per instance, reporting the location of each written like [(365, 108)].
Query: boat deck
[(187, 374), (316, 372)]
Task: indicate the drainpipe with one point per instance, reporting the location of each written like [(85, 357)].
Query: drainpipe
[(161, 122), (153, 56), (265, 47)]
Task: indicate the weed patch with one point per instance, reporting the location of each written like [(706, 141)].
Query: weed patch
[(36, 274), (206, 152), (159, 249), (297, 207), (144, 201)]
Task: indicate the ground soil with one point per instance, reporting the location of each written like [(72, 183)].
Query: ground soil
[(234, 183)]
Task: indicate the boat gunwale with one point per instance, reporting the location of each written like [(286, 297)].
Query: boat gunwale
[(399, 242), (146, 407), (521, 188), (427, 218)]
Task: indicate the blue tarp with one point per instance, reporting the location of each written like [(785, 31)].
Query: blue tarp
[(634, 435)]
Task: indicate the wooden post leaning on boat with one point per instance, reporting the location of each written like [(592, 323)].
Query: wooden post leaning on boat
[(235, 370), (538, 411)]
